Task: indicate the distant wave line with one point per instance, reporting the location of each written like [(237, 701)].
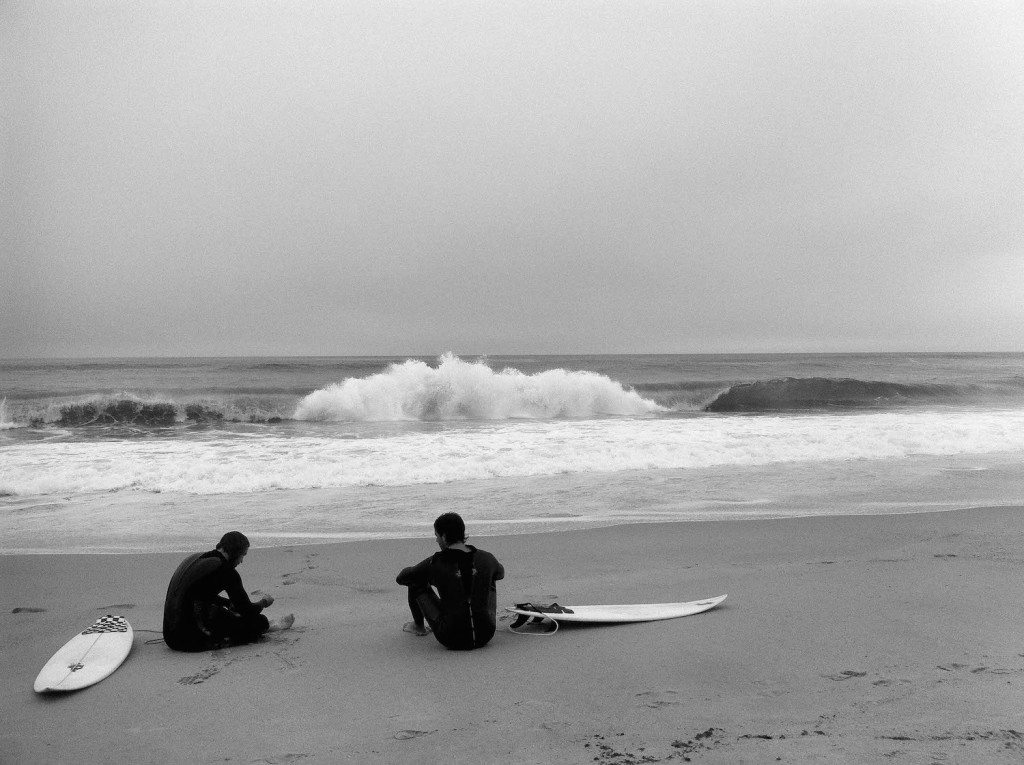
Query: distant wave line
[(458, 390)]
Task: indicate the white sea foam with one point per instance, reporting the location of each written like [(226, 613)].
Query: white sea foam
[(514, 448), (461, 390), (5, 419)]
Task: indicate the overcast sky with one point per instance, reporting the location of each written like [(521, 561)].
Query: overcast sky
[(330, 178)]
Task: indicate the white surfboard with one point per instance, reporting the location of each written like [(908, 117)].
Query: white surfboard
[(88, 657), (633, 612)]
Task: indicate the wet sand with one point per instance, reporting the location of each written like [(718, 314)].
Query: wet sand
[(843, 639)]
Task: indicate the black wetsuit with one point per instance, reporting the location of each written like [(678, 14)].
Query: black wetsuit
[(197, 618), (465, 614)]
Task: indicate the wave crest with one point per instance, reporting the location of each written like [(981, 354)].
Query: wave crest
[(823, 393), (682, 395), (461, 390)]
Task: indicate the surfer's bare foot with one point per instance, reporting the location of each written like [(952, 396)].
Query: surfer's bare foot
[(416, 629), (282, 624)]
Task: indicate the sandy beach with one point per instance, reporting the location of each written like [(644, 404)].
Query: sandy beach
[(843, 639)]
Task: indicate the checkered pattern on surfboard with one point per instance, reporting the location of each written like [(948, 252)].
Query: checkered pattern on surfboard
[(108, 623)]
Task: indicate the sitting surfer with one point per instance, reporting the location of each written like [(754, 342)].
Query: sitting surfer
[(197, 617), (462, 613)]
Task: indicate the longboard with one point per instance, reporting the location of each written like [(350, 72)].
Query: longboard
[(88, 657), (633, 612)]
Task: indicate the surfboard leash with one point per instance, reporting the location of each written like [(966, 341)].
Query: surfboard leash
[(522, 620), (153, 641)]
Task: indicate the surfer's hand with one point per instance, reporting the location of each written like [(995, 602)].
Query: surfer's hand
[(267, 600)]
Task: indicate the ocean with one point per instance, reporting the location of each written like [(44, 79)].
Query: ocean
[(135, 455)]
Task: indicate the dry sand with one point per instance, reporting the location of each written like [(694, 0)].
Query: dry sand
[(845, 639)]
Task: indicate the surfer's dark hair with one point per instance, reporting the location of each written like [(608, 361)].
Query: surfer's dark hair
[(233, 543), (451, 527)]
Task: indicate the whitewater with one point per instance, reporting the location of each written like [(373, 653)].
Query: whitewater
[(236, 463)]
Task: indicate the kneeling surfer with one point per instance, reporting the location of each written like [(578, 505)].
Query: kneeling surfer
[(198, 618)]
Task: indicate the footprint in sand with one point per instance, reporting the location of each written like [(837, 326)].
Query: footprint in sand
[(658, 699), (846, 674), (367, 589), (282, 758), (288, 663), (199, 677), (954, 667), (117, 605), (404, 735), (27, 610), (554, 726), (292, 576), (886, 683)]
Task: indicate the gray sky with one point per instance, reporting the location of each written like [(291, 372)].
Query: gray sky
[(328, 177)]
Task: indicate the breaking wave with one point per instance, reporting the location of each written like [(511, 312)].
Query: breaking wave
[(135, 410), (5, 421), (828, 393), (409, 391), (461, 390), (824, 393)]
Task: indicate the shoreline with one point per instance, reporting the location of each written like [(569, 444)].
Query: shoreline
[(844, 639), (327, 539)]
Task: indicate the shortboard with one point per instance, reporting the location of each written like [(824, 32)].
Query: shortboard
[(88, 657), (612, 614)]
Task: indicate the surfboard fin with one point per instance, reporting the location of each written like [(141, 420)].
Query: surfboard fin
[(522, 619)]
